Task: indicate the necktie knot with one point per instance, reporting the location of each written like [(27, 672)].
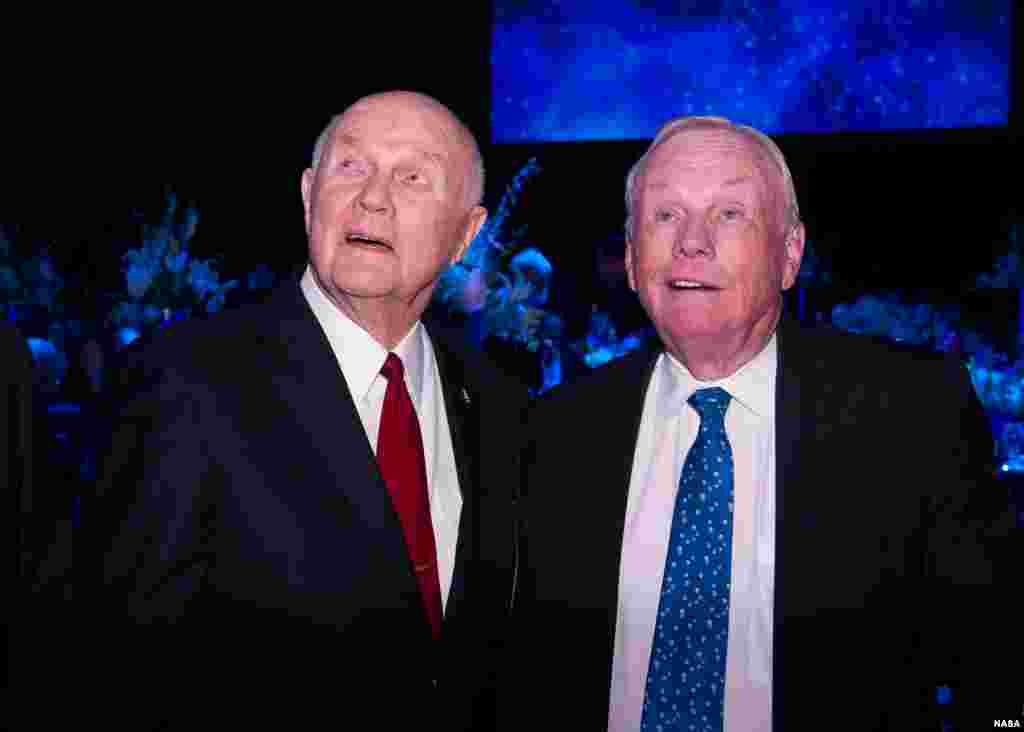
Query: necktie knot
[(392, 368), (710, 404)]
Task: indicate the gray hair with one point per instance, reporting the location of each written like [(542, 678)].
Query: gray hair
[(477, 173), (674, 126)]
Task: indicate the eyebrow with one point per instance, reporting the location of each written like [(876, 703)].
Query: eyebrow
[(436, 158)]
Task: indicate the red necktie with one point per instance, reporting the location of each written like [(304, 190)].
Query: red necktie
[(400, 457)]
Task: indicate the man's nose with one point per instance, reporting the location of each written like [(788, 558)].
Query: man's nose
[(376, 195), (694, 240)]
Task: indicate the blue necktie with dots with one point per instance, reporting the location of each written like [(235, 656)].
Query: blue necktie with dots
[(686, 677)]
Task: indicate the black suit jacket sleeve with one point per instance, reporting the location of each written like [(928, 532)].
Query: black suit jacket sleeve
[(156, 467), (140, 550), (890, 530)]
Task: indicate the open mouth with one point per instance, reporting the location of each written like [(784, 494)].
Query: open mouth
[(366, 240), (693, 285)]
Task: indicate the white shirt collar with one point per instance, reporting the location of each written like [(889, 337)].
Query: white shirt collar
[(753, 385), (359, 356)]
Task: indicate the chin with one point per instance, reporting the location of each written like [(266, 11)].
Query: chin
[(695, 335), (695, 327), (360, 279)]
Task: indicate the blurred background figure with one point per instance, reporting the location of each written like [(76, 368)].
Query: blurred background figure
[(531, 272)]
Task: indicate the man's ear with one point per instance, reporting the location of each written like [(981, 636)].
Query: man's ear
[(474, 222), (793, 252), (306, 187), (629, 264)]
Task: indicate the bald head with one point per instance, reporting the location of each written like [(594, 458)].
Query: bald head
[(461, 138)]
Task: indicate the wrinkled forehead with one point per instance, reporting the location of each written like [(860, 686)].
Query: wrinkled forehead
[(713, 156), (401, 122)]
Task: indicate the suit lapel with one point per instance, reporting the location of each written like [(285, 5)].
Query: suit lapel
[(316, 395), (336, 431), (462, 407), (619, 411), (624, 431)]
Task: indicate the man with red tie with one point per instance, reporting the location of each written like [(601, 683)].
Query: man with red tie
[(319, 488)]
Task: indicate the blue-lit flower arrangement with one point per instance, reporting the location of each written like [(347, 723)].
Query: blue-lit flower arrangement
[(480, 280), (502, 284), (885, 315), (602, 342), (32, 293), (30, 283), (998, 380), (163, 281)]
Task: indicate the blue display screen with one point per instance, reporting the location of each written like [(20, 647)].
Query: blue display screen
[(609, 70)]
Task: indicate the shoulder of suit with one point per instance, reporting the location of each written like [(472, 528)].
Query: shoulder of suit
[(622, 378), (190, 338), (833, 347), (225, 345), (478, 370), (849, 362)]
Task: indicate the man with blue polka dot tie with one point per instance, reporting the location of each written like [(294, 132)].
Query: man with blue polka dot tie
[(769, 526)]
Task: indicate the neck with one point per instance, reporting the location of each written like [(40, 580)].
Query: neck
[(717, 357), (387, 326), (387, 320)]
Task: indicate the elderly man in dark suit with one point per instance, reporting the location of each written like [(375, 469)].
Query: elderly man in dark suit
[(318, 490), (757, 526)]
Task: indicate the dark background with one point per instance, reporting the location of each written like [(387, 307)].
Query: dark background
[(104, 115)]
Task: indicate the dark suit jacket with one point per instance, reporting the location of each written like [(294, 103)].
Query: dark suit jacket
[(253, 568), (881, 503), (15, 436), (15, 468)]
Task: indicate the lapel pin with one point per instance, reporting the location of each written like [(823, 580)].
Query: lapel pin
[(465, 396)]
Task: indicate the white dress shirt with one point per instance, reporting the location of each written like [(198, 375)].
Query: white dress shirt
[(361, 358), (668, 429)]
